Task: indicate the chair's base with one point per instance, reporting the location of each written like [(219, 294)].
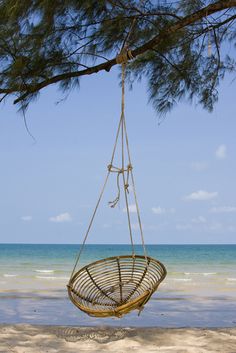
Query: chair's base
[(119, 311), (115, 286)]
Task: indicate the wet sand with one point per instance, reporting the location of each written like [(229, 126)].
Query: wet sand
[(24, 338)]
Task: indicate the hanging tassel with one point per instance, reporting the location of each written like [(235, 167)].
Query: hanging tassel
[(117, 199)]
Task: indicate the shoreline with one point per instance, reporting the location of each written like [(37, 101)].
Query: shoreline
[(163, 310), (27, 338)]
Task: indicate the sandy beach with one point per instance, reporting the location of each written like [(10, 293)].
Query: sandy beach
[(41, 339)]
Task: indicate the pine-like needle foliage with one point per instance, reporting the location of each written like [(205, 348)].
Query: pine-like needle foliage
[(180, 47)]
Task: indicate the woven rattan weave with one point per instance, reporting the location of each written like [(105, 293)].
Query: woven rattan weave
[(114, 286)]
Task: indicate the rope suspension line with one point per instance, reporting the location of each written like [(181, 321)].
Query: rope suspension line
[(116, 285), (124, 172)]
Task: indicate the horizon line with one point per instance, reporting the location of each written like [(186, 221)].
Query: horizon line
[(15, 243)]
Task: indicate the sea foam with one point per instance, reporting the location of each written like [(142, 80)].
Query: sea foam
[(209, 273), (44, 271), (200, 273), (52, 278)]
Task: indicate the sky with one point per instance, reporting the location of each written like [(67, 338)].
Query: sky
[(185, 167)]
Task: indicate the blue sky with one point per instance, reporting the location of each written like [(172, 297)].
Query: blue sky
[(185, 169)]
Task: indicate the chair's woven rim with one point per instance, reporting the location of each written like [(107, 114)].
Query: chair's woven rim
[(136, 303)]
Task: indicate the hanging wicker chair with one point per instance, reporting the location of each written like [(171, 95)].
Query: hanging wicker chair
[(116, 285)]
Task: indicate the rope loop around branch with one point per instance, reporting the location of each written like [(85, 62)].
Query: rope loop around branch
[(124, 56)]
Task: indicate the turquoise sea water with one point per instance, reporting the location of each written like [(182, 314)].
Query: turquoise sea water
[(199, 290)]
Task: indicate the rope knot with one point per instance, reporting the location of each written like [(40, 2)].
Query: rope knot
[(124, 56)]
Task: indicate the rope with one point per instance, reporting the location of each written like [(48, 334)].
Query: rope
[(209, 44), (116, 200), (122, 58), (123, 158), (129, 170)]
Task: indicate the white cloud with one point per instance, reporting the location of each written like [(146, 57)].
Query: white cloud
[(132, 209), (199, 166), (199, 220), (223, 209), (201, 195), (221, 152), (159, 210), (26, 218), (63, 217)]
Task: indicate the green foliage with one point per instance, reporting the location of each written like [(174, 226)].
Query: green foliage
[(43, 39)]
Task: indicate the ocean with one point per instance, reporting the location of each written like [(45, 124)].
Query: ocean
[(199, 290)]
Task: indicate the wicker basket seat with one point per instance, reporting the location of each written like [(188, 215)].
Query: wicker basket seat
[(116, 285)]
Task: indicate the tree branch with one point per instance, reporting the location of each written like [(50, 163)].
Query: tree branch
[(186, 21), (3, 97)]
